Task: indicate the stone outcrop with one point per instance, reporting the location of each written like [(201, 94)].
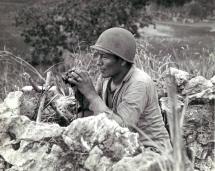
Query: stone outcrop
[(93, 143), (213, 79), (98, 143), (196, 85), (181, 77), (199, 119)]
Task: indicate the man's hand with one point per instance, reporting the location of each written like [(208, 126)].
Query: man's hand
[(83, 82)]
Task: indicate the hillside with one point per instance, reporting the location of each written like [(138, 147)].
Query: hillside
[(9, 34)]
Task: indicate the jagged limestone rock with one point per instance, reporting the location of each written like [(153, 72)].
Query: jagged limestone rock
[(196, 85), (27, 145), (199, 131), (12, 102), (181, 77), (97, 161), (84, 133), (62, 109), (213, 79), (146, 161), (98, 143), (205, 96)]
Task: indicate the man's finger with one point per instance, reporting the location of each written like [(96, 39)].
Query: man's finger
[(72, 81), (78, 79), (74, 75), (81, 73)]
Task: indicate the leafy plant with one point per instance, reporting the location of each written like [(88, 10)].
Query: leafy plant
[(74, 23)]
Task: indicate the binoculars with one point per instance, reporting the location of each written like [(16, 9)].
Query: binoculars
[(65, 77)]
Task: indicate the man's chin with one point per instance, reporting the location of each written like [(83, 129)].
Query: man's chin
[(105, 75)]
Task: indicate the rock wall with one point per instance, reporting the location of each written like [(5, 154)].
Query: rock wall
[(98, 143), (93, 143), (199, 123)]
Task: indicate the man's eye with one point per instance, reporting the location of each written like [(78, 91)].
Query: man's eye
[(104, 56), (95, 54)]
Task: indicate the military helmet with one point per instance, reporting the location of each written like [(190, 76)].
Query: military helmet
[(117, 41)]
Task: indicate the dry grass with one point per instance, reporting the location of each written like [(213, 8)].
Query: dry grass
[(154, 57), (194, 56)]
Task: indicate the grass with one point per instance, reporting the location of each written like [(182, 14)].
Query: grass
[(153, 55), (194, 55)]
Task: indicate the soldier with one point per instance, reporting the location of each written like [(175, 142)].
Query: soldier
[(122, 88)]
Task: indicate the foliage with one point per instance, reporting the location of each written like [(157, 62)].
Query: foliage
[(194, 56), (182, 2), (50, 30), (171, 2), (199, 8)]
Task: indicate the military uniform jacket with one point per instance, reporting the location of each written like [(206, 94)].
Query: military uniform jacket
[(136, 101)]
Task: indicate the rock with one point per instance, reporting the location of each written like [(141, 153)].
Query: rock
[(200, 115), (12, 102), (30, 104), (204, 138), (15, 125), (26, 145), (196, 85), (2, 167), (199, 132), (197, 148), (191, 137), (98, 143), (28, 155), (205, 96), (117, 142), (61, 108), (3, 108), (181, 77), (213, 79), (150, 162), (97, 161), (205, 165), (49, 131)]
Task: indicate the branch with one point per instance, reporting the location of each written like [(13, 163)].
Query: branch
[(48, 79)]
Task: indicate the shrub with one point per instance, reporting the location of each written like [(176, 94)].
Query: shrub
[(71, 24), (171, 2), (199, 8)]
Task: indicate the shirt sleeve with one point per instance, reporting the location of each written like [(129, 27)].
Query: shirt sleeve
[(133, 103)]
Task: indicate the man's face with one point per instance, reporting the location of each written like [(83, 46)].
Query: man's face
[(109, 64)]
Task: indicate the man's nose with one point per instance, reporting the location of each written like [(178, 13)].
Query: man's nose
[(99, 61)]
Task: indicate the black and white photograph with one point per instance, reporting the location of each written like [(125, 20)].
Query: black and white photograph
[(107, 85)]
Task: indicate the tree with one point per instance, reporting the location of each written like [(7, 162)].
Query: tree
[(66, 25)]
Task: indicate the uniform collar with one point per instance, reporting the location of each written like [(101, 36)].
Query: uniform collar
[(125, 79), (129, 74)]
